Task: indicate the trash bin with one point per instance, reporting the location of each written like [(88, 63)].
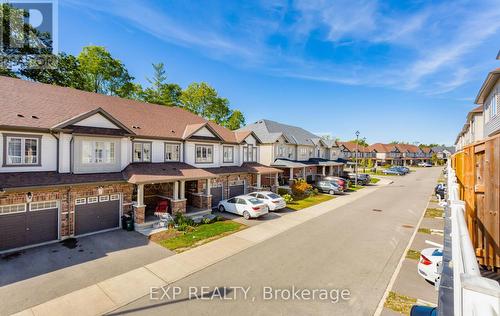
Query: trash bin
[(127, 223)]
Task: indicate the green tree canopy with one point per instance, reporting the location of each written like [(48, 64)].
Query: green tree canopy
[(104, 74), (202, 99), (235, 120), (161, 92), (360, 141)]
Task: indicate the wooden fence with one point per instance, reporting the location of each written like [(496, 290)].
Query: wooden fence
[(478, 172)]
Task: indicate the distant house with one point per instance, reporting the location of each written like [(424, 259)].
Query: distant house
[(443, 152), (473, 129), (296, 151), (489, 98)]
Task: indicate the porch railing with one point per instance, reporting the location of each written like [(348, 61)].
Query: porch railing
[(472, 294)]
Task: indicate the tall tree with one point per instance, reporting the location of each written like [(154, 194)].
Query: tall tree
[(360, 141), (161, 92), (202, 99), (235, 120), (103, 73)]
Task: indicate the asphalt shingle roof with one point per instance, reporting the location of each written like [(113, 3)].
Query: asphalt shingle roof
[(269, 131)]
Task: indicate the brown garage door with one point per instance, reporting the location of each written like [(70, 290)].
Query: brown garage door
[(94, 216), (235, 190), (20, 227)]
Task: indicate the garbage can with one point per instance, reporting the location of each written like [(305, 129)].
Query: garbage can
[(127, 223)]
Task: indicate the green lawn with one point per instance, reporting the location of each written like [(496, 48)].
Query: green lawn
[(434, 212), (310, 201), (399, 303), (413, 254), (202, 232), (355, 188), (374, 180)]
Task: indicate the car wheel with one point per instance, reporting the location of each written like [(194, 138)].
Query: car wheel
[(331, 192), (246, 215), (222, 209)]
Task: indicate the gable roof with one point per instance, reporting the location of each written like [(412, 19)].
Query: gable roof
[(382, 148), (270, 131), (100, 111), (487, 86), (351, 146), (44, 107)]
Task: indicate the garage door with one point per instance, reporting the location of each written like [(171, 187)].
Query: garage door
[(216, 195), (235, 190), (24, 225), (95, 214)]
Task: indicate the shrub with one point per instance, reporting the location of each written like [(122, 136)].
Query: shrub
[(300, 187), (220, 218), (288, 198), (283, 191), (315, 191), (182, 227), (206, 221), (180, 219)]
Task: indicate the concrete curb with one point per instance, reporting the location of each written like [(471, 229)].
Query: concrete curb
[(111, 294)]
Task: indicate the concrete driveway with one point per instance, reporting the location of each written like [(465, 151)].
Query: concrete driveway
[(33, 276)]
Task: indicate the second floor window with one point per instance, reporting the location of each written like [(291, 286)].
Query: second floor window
[(493, 106), (98, 152), (172, 152), (142, 152), (204, 154), (22, 151), (228, 154), (249, 153)]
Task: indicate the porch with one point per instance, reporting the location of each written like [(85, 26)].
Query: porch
[(310, 171)]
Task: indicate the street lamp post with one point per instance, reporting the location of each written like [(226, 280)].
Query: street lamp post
[(356, 165)]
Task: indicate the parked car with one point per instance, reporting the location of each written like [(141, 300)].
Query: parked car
[(394, 171), (428, 265), (406, 170), (248, 206), (273, 201), (330, 187), (440, 190), (363, 178), (343, 182), (424, 164)]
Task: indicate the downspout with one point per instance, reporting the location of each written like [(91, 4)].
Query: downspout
[(57, 160), (71, 158)]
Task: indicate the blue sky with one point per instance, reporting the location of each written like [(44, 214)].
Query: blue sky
[(394, 70)]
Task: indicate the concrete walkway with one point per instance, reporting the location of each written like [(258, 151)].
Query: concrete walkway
[(118, 291)]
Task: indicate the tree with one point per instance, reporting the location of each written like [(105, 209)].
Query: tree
[(202, 99), (360, 141), (434, 159), (104, 74), (235, 121), (161, 92), (66, 74)]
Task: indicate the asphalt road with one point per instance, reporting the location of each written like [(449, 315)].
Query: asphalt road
[(354, 249)]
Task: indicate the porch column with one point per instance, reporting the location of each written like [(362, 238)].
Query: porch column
[(291, 173), (209, 183), (139, 207), (304, 173), (330, 170), (276, 179), (183, 190), (176, 190), (324, 171), (259, 180)]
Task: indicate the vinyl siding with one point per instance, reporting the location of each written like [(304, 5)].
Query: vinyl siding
[(492, 125)]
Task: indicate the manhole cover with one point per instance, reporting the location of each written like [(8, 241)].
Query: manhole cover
[(408, 226), (376, 210)]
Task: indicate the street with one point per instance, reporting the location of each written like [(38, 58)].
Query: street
[(348, 254)]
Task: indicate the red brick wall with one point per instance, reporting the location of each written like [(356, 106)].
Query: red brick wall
[(67, 196)]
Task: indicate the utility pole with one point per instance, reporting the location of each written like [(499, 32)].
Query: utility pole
[(356, 166)]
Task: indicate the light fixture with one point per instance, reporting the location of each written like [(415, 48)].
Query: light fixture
[(100, 190), (29, 197)]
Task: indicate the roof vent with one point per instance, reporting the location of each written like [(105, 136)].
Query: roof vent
[(172, 131), (35, 117), (20, 115), (136, 127)]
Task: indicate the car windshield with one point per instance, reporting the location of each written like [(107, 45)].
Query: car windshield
[(273, 196), (254, 201)]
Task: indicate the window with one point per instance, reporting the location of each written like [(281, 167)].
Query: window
[(281, 151), (10, 209), (114, 197), (98, 152), (204, 154), (303, 151), (249, 153), (80, 201), (21, 150), (254, 154), (172, 152), (104, 198), (38, 206), (493, 106), (92, 199), (141, 152), (228, 154)]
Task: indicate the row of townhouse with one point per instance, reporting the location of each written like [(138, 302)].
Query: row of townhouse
[(392, 154), (484, 120), (73, 162)]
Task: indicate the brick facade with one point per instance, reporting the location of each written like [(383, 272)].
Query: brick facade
[(66, 197)]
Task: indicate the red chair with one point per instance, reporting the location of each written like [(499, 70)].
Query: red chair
[(161, 207)]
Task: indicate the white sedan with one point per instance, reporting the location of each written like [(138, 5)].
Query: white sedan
[(273, 201), (428, 265), (245, 205)]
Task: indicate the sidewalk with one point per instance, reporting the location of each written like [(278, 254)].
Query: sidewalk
[(113, 293)]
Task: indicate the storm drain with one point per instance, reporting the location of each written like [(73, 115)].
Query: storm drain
[(376, 210)]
